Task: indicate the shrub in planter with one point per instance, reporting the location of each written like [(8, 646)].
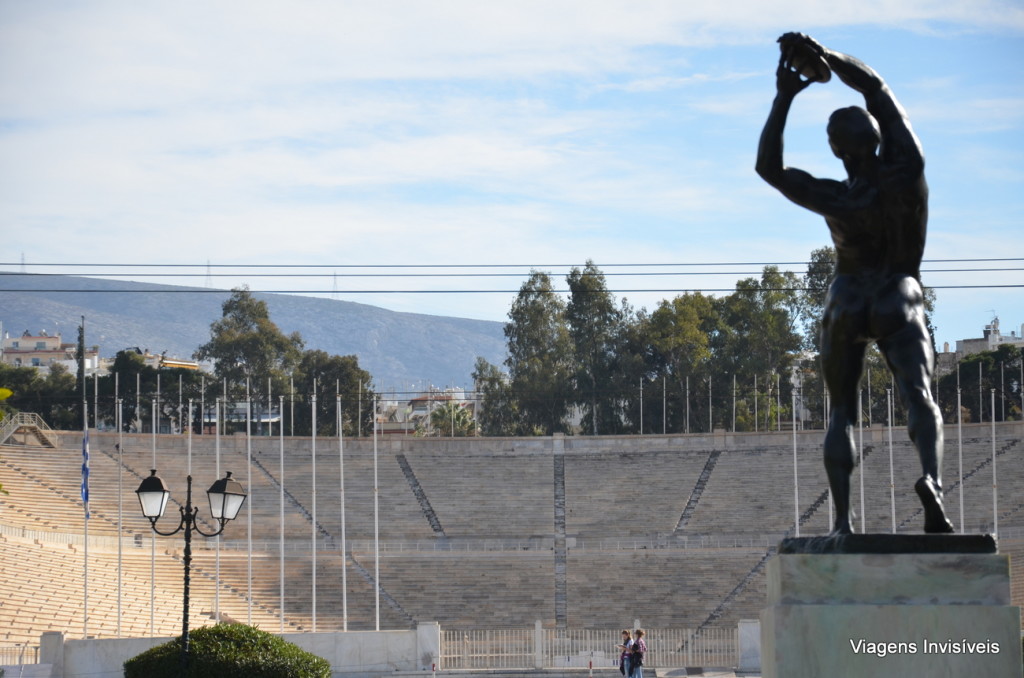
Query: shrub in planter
[(229, 651)]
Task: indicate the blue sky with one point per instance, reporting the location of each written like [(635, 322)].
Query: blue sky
[(328, 135)]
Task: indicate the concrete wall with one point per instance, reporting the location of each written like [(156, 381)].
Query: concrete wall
[(527, 446), (356, 654)]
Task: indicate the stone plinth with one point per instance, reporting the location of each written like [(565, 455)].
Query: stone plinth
[(889, 605)]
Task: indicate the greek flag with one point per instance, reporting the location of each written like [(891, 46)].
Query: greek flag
[(85, 473)]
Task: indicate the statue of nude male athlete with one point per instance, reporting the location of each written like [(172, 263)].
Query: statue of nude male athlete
[(877, 217)]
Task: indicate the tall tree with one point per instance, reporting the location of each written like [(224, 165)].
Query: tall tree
[(811, 299), (332, 376), (539, 356), (760, 337), (54, 396), (633, 365), (131, 369), (498, 410), (977, 375), (245, 345), (80, 358), (594, 327), (679, 333)]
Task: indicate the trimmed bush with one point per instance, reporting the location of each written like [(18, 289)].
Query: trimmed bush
[(229, 651)]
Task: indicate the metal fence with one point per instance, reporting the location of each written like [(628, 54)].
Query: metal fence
[(12, 655), (488, 649), (542, 648)]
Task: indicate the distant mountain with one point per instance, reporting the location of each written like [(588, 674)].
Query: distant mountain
[(401, 350)]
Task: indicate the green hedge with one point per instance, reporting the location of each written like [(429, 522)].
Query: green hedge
[(229, 651)]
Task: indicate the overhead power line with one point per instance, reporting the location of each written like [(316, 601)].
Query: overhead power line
[(638, 274), (209, 265), (47, 278), (675, 290)]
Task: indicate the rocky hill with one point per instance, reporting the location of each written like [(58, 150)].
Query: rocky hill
[(404, 351)]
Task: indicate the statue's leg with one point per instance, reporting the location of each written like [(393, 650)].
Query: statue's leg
[(842, 360), (909, 355), (840, 451)]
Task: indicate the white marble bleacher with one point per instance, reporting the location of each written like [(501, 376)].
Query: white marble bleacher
[(493, 500)]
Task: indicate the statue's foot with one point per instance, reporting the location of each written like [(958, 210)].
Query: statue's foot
[(935, 521), (841, 528)]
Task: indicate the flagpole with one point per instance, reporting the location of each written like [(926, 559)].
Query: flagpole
[(860, 444), (778, 404), (711, 409), (248, 514), (734, 402), (222, 417), (796, 474), (344, 549), (889, 411), (376, 519), (152, 540), (960, 446), (313, 536), (120, 509), (85, 505), (825, 413), (216, 447), (189, 439), (995, 483), (280, 536)]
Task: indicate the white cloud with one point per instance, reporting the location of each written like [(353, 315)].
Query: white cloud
[(407, 132)]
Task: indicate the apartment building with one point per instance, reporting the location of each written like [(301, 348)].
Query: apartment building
[(44, 350)]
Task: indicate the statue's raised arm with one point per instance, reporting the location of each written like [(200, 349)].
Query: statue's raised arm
[(899, 144), (799, 66)]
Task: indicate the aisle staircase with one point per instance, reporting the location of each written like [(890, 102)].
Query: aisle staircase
[(27, 423)]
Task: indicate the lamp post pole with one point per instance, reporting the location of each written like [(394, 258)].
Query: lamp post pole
[(226, 498)]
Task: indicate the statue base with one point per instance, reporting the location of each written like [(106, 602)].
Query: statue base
[(889, 605)]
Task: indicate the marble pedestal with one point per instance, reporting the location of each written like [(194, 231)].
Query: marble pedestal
[(889, 605)]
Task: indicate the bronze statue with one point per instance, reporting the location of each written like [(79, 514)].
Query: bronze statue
[(877, 218)]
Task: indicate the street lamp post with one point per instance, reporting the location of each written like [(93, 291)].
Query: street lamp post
[(226, 498)]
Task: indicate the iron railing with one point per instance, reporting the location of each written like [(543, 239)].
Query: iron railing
[(17, 654), (546, 648)]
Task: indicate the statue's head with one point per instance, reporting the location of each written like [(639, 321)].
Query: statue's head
[(853, 133)]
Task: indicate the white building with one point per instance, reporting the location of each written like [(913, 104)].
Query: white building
[(991, 340), (44, 350)]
